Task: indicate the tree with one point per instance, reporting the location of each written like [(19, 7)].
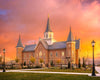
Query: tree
[(69, 65), (0, 58), (51, 63), (16, 60), (24, 63), (41, 61), (83, 63), (58, 61), (32, 59), (79, 64)]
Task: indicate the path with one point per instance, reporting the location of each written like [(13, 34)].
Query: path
[(75, 73)]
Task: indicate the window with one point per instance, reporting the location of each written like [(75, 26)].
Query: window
[(50, 35), (72, 52), (69, 45), (29, 56), (36, 55), (44, 55), (62, 53), (46, 35), (40, 54), (33, 55), (56, 54), (50, 54)]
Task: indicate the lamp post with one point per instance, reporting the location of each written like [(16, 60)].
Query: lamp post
[(4, 61), (93, 68)]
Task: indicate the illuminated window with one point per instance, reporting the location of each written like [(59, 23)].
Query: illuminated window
[(40, 54), (62, 53), (50, 35), (44, 55)]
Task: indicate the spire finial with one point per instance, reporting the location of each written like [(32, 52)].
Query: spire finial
[(70, 27), (48, 15), (48, 29), (19, 44)]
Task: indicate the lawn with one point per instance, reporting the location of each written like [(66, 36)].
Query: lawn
[(41, 76), (65, 70)]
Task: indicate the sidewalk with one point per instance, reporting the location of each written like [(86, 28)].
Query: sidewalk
[(75, 73)]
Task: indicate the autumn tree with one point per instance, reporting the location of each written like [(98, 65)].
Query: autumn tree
[(0, 58), (16, 60), (41, 61), (32, 59), (58, 61)]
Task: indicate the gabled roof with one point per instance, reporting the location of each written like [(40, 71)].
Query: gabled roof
[(45, 44), (48, 29), (19, 44), (58, 45), (55, 45), (70, 36), (29, 48)]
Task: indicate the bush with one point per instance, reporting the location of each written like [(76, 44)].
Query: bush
[(37, 66)]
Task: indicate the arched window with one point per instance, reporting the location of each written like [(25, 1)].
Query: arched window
[(56, 54), (44, 55), (46, 35), (51, 54), (40, 54), (62, 53), (50, 35)]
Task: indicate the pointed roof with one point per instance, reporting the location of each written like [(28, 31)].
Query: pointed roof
[(48, 29), (70, 36), (19, 44)]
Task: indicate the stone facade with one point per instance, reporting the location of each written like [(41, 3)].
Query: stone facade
[(49, 50)]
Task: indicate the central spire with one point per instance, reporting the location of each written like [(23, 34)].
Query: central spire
[(48, 29)]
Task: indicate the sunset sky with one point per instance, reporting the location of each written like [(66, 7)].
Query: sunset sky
[(29, 17)]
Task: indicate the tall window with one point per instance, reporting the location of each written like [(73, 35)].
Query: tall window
[(50, 36), (56, 54), (46, 35), (69, 45), (63, 53), (51, 54), (44, 55), (40, 54)]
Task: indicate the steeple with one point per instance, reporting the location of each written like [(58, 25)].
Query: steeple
[(19, 44), (70, 36), (48, 29)]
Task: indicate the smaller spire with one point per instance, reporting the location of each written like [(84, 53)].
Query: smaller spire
[(70, 36), (48, 15), (19, 44)]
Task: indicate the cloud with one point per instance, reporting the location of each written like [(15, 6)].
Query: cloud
[(29, 17)]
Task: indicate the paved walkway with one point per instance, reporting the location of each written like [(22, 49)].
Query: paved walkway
[(47, 72), (97, 69), (75, 73)]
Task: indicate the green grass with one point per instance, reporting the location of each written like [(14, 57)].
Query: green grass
[(34, 76), (65, 70)]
